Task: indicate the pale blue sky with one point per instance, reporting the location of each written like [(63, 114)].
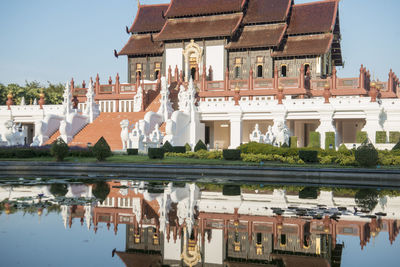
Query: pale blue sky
[(54, 40)]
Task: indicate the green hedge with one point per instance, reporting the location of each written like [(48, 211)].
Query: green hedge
[(394, 137), (265, 149), (366, 155), (156, 153), (178, 149), (200, 146), (168, 147), (188, 147), (380, 137), (361, 137), (309, 193), (80, 152), (293, 142), (132, 151), (308, 155), (330, 139), (231, 154), (315, 140), (231, 190), (396, 147), (24, 152)]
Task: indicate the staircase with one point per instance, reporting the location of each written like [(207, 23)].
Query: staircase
[(52, 138)]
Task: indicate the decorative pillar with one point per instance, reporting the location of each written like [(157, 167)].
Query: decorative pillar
[(301, 77), (276, 83), (117, 84), (97, 85), (280, 95), (203, 79), (362, 77), (169, 75), (326, 124), (237, 95), (251, 84), (373, 92), (210, 74), (226, 81), (109, 80), (83, 84), (41, 100), (176, 73), (9, 100), (236, 129), (196, 76), (334, 78), (327, 93), (372, 112)]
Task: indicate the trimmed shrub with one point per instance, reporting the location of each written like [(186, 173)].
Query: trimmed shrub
[(59, 149), (396, 147), (101, 150), (344, 150), (394, 137), (293, 142), (330, 140), (24, 153), (308, 193), (308, 155), (361, 137), (200, 146), (132, 151), (266, 149), (380, 137), (101, 189), (231, 154), (315, 140), (168, 147), (156, 153), (366, 155), (178, 149), (80, 152), (188, 147)]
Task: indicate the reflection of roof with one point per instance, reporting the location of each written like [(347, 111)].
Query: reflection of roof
[(149, 19), (141, 45), (180, 8), (294, 260), (259, 36), (318, 17), (240, 264), (139, 260), (263, 11), (306, 45), (199, 27)]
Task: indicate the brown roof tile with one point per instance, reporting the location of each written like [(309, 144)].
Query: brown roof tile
[(260, 11), (259, 36), (304, 45), (181, 8), (295, 260), (141, 45), (139, 259), (199, 27), (149, 19), (313, 17)]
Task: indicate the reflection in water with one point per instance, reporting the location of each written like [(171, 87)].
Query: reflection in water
[(181, 224)]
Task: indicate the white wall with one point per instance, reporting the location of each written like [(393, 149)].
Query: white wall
[(173, 58), (172, 250), (215, 58), (213, 251)]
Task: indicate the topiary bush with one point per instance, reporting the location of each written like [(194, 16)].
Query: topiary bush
[(231, 154), (231, 190), (156, 153), (266, 149), (308, 155), (168, 147), (178, 149), (132, 151), (330, 140), (59, 149), (366, 155), (315, 140), (396, 147), (188, 147), (101, 150), (80, 152), (293, 142), (200, 146), (344, 150), (361, 137), (380, 137), (394, 137), (309, 193)]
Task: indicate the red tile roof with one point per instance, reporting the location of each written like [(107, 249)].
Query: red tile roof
[(149, 19), (304, 45), (262, 11), (138, 259), (317, 17), (141, 45), (200, 27), (259, 36), (181, 8)]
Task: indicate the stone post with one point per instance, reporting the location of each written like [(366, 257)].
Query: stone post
[(280, 95), (362, 77), (251, 81), (41, 100), (236, 129), (9, 100), (327, 93), (169, 75), (97, 85), (203, 79), (237, 95), (373, 92), (210, 74), (109, 80), (176, 73), (276, 82)]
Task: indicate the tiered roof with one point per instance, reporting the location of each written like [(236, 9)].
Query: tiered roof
[(309, 29)]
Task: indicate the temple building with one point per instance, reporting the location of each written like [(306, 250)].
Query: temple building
[(224, 72)]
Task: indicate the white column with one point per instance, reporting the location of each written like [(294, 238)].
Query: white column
[(236, 130), (372, 119), (326, 125)]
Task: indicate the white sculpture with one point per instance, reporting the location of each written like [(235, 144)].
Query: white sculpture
[(12, 135), (65, 129), (67, 100), (277, 135), (136, 138), (256, 135), (40, 133), (282, 134), (165, 109), (156, 136), (269, 136), (22, 101), (92, 109), (35, 101), (138, 100), (125, 134)]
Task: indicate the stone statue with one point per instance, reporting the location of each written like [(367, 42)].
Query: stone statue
[(269, 136), (156, 136), (12, 134), (138, 100), (125, 134), (282, 134), (256, 135), (136, 137), (22, 101)]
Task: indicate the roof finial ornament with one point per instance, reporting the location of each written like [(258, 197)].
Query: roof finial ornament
[(138, 3)]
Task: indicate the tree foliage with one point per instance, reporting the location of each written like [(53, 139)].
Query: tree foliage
[(53, 92)]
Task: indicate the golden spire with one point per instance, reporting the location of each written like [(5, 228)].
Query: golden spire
[(138, 4)]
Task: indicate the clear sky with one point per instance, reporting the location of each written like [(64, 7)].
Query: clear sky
[(54, 40)]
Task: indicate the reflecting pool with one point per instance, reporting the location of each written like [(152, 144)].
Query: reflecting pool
[(147, 223)]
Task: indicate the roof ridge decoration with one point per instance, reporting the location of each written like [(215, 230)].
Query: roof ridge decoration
[(149, 18), (267, 11), (186, 8)]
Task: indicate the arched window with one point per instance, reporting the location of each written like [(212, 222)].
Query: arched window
[(237, 72), (259, 71), (306, 68), (156, 74), (193, 73), (283, 240), (283, 71), (139, 74), (259, 238)]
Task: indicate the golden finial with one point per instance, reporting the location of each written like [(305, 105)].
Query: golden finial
[(138, 3), (10, 95), (237, 87), (327, 86), (373, 84), (41, 95)]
